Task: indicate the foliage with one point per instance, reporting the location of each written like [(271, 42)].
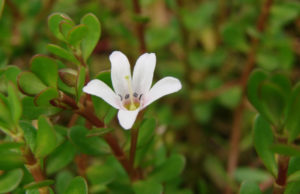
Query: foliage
[(56, 139)]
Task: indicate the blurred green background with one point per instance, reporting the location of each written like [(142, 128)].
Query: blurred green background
[(204, 43)]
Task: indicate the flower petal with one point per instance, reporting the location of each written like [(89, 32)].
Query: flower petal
[(120, 69), (127, 118), (100, 89), (143, 73), (163, 87)]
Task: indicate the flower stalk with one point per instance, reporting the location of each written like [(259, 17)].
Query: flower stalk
[(133, 145)]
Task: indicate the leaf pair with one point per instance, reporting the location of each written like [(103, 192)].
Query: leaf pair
[(85, 35), (269, 94), (276, 101)]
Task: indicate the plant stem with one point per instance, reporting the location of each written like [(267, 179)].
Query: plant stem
[(88, 113), (133, 143), (280, 183), (34, 168), (237, 122), (140, 27)]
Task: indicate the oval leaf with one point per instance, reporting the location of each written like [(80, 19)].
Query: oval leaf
[(36, 185), (61, 157), (46, 138), (61, 52), (11, 160), (263, 139), (10, 180), (93, 34), (53, 23), (292, 123), (146, 132), (147, 187), (76, 34), (29, 134), (44, 97), (170, 169), (30, 84), (46, 69), (87, 145), (249, 187), (77, 186), (14, 103)]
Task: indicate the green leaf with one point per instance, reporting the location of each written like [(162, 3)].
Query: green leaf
[(29, 134), (53, 23), (263, 139), (294, 177), (231, 97), (283, 82), (45, 96), (273, 101), (10, 160), (284, 149), (32, 112), (87, 145), (255, 79), (10, 180), (46, 138), (62, 181), (5, 115), (99, 131), (61, 52), (30, 84), (76, 34), (14, 102), (112, 112), (158, 38), (251, 174), (147, 187), (11, 73), (292, 122), (101, 174), (36, 185), (46, 69), (249, 187), (146, 132), (1, 7), (80, 82), (234, 35), (78, 185), (65, 27), (61, 157), (10, 145), (170, 169), (92, 35)]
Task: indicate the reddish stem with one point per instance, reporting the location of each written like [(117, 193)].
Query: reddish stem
[(238, 113), (140, 27)]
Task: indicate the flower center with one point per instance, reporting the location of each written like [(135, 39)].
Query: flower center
[(130, 101)]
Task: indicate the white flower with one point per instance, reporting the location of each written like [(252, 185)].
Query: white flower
[(131, 95)]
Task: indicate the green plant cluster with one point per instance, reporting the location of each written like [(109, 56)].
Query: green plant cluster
[(35, 98), (56, 139)]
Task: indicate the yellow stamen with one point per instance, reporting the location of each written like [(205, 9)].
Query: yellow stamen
[(132, 105)]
